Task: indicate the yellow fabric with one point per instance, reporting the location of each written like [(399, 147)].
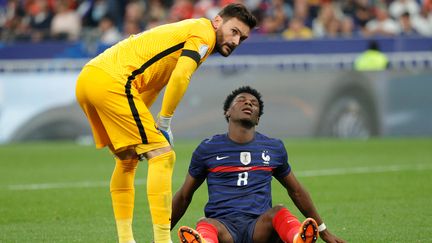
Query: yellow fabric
[(160, 235), (144, 148), (160, 169), (371, 60), (108, 110), (124, 229), (145, 60), (122, 188), (177, 85), (304, 33), (123, 196)]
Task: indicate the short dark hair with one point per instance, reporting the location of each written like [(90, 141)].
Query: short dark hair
[(244, 89), (239, 11), (373, 45)]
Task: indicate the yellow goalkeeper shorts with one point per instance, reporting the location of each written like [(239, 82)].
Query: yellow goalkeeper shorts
[(118, 116)]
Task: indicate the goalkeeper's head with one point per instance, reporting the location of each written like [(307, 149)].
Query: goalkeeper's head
[(244, 103)]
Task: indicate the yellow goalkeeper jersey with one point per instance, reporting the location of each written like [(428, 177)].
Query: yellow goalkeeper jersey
[(166, 55)]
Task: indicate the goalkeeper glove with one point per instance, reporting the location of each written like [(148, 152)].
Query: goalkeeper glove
[(164, 125)]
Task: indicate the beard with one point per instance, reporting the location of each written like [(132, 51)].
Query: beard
[(219, 45), (221, 51), (247, 123)]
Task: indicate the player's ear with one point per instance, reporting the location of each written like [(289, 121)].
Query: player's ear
[(227, 115), (217, 22)]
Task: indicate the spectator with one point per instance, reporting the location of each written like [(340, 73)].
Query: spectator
[(399, 7), (326, 24), (205, 8), (12, 21), (130, 27), (66, 24), (40, 20), (332, 29), (382, 25), (109, 34), (372, 59), (297, 30), (156, 14), (347, 27), (92, 11), (406, 26), (135, 11), (362, 16), (301, 11), (422, 22), (182, 9), (275, 17)]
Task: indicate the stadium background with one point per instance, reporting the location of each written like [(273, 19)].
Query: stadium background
[(310, 88)]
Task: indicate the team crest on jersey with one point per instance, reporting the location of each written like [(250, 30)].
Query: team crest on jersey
[(202, 50), (266, 157), (245, 158)]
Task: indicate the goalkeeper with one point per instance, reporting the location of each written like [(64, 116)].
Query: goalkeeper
[(239, 166), (117, 88)]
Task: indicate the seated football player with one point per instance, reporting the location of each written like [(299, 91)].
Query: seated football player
[(239, 166)]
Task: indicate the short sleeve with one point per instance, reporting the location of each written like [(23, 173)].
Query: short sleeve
[(201, 41), (198, 167), (283, 168)]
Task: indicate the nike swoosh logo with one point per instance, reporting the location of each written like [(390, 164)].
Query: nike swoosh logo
[(220, 158)]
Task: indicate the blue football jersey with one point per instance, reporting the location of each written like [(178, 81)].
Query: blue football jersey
[(239, 175)]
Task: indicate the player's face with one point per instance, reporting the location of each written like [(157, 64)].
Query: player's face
[(245, 108), (229, 34)]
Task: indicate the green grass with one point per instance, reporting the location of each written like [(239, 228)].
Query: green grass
[(375, 190)]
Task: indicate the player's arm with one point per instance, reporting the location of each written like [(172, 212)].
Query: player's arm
[(179, 81), (183, 198), (300, 196), (303, 201), (175, 90)]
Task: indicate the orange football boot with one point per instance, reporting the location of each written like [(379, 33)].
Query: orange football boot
[(189, 235), (308, 232)]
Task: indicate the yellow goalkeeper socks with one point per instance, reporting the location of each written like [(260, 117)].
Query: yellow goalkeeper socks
[(159, 194), (124, 230), (123, 195)]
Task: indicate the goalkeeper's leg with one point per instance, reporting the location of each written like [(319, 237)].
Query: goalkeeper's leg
[(160, 169), (123, 195)]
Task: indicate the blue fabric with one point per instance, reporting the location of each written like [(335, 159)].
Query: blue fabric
[(239, 175), (240, 227)]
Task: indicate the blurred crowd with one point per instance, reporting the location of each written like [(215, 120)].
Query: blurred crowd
[(109, 21)]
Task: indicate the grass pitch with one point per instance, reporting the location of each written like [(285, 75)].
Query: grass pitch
[(366, 191)]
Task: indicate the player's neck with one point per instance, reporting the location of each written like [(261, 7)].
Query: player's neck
[(241, 134)]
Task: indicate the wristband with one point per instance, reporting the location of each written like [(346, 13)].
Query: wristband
[(322, 227), (164, 122)]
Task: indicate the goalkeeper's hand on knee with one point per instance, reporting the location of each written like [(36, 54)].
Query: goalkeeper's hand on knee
[(164, 125)]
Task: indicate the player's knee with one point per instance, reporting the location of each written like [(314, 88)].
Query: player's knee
[(168, 158), (203, 220), (160, 170), (128, 165), (275, 209)]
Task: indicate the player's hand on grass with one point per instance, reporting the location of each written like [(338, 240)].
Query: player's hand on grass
[(330, 238), (164, 125)]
